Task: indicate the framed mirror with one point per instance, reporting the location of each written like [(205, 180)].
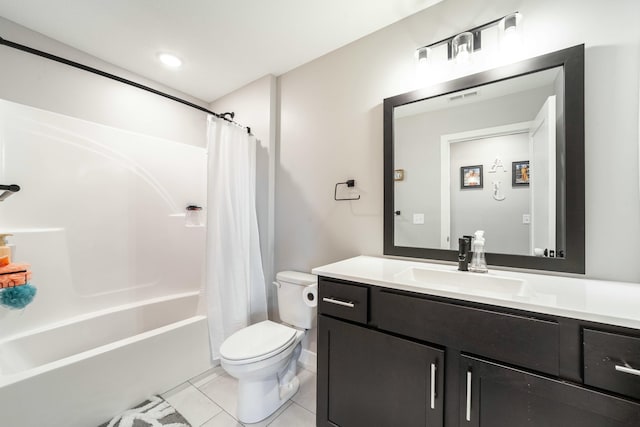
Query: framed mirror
[(500, 151)]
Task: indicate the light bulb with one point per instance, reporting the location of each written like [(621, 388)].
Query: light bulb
[(422, 58), (511, 34), (422, 55), (462, 57), (462, 47)]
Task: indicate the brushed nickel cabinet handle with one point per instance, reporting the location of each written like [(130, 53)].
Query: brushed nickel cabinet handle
[(349, 304), (468, 395), (628, 370), (433, 385)]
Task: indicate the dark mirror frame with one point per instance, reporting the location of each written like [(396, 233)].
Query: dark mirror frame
[(572, 61)]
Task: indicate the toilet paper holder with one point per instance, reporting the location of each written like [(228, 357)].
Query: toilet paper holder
[(310, 295)]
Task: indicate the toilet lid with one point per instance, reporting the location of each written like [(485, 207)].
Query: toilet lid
[(258, 341)]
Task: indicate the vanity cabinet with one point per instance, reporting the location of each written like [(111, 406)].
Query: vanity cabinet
[(501, 396), (371, 378), (377, 379), (388, 357)]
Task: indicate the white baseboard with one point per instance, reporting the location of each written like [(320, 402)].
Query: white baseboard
[(308, 360)]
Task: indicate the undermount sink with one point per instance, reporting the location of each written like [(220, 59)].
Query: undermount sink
[(486, 284)]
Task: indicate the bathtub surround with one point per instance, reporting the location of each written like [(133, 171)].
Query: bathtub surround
[(236, 294), (102, 224), (128, 354), (113, 229), (82, 100)]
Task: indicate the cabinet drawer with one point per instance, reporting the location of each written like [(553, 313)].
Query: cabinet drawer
[(612, 362), (518, 340), (346, 301)]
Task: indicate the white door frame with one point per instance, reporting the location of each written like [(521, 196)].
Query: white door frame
[(445, 167), (549, 107)]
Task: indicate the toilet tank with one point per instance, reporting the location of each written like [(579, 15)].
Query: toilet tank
[(291, 306)]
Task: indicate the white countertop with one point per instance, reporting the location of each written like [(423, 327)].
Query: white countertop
[(615, 303)]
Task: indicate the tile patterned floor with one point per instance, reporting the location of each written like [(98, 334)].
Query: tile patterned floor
[(209, 400)]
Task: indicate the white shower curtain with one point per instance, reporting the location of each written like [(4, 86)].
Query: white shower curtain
[(235, 286)]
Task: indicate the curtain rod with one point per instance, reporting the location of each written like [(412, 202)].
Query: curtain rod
[(27, 49)]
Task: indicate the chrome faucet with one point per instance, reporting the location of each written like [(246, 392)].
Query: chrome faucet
[(464, 253)]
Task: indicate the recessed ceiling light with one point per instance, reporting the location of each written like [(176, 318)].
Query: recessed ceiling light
[(170, 60)]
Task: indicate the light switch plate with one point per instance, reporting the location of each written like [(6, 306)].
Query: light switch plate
[(418, 218), (526, 219)]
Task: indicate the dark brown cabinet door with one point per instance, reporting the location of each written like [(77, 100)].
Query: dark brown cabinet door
[(370, 379), (493, 395)]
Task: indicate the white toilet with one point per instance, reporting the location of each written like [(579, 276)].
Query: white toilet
[(263, 356)]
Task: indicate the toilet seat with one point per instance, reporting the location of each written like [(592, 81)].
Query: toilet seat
[(257, 342)]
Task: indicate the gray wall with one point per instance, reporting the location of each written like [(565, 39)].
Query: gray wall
[(419, 192), (331, 128)]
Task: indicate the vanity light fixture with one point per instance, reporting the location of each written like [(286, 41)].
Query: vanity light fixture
[(422, 57), (511, 32), (169, 60), (461, 47)]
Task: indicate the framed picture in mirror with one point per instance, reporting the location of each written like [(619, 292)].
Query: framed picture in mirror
[(520, 173), (471, 177)]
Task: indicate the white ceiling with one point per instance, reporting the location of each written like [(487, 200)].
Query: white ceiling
[(527, 82), (223, 44)]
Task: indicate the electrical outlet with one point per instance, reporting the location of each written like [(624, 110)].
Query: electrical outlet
[(418, 218)]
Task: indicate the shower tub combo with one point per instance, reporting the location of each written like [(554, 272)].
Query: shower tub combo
[(119, 313)]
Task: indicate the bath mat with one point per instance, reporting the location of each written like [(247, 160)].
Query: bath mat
[(150, 413)]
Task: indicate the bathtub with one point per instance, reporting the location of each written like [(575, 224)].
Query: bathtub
[(84, 370)]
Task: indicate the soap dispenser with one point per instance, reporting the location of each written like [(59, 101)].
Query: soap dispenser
[(464, 253), (5, 250), (478, 262)]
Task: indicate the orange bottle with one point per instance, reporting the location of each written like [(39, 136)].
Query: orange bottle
[(5, 251)]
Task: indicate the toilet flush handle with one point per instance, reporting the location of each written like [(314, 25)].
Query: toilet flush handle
[(276, 284)]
